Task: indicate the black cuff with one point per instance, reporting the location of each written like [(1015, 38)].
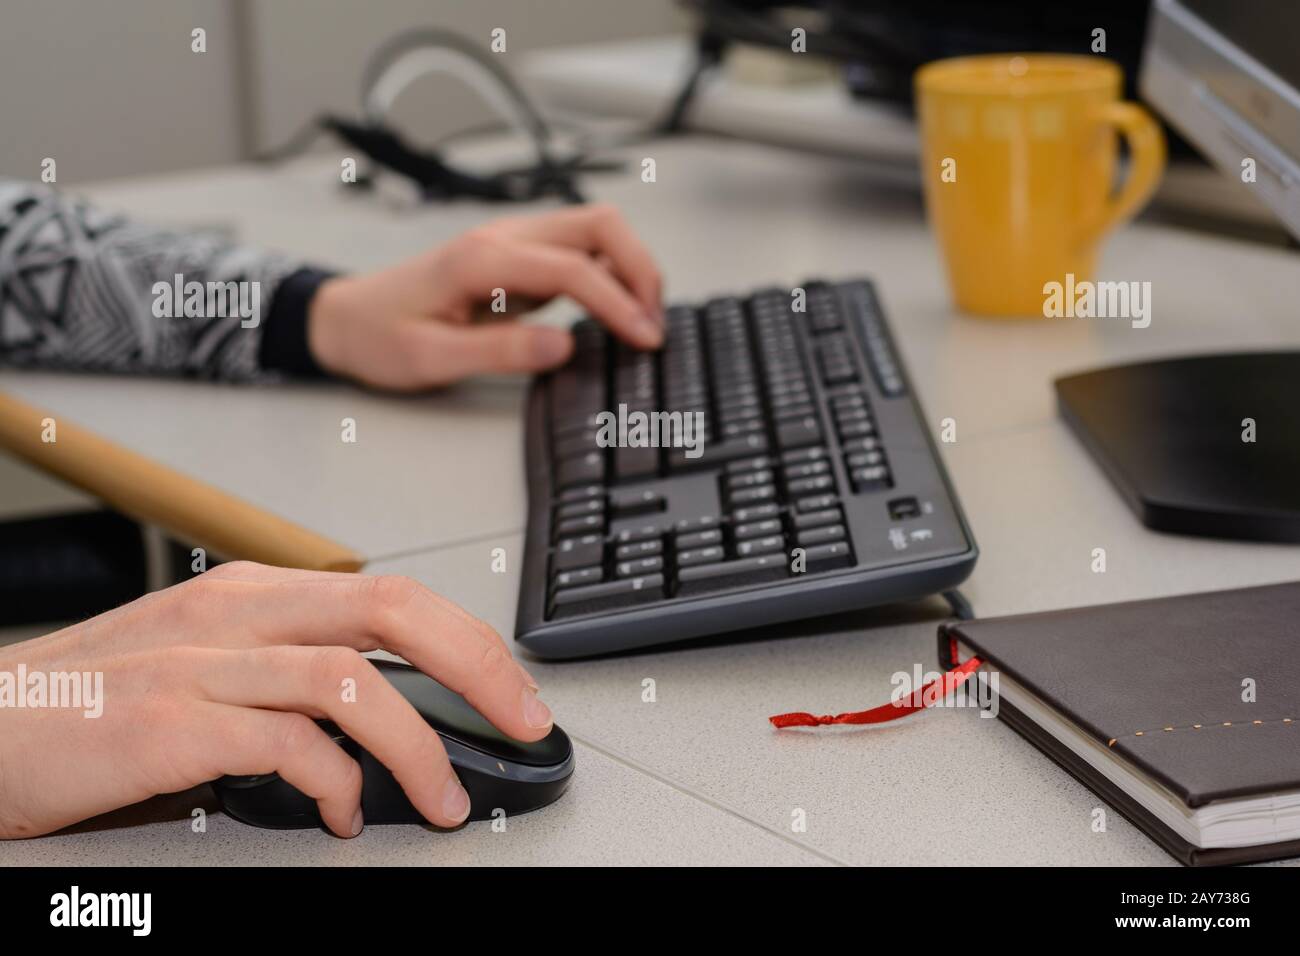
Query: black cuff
[(284, 333)]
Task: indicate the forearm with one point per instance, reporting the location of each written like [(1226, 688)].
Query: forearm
[(82, 289)]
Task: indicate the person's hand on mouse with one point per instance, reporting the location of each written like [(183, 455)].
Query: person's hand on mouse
[(225, 673), (412, 326)]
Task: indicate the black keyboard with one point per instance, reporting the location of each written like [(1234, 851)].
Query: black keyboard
[(810, 485)]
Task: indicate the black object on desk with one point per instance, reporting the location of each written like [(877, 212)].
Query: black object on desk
[(1143, 703), (67, 567), (498, 772), (1205, 445), (814, 487)]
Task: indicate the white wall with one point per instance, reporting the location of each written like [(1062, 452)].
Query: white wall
[(111, 88), (308, 54)]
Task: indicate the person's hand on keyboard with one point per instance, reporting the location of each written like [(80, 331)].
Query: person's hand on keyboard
[(225, 673), (413, 325)]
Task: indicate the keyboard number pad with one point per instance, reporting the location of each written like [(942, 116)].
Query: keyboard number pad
[(864, 456)]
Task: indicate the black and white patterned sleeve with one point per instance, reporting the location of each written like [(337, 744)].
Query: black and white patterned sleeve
[(84, 289)]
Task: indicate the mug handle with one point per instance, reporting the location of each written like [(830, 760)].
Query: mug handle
[(1146, 143)]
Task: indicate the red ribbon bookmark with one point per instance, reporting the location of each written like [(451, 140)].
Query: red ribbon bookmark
[(951, 680)]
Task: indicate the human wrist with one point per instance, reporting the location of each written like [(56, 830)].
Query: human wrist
[(285, 344)]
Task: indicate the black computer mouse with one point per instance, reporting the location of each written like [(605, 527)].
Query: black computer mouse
[(498, 772)]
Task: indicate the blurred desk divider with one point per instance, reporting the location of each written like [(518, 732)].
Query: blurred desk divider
[(152, 493)]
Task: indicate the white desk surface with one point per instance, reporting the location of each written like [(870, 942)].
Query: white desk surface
[(723, 216), (613, 815), (699, 776)]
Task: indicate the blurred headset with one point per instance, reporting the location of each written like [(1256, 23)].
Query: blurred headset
[(414, 55)]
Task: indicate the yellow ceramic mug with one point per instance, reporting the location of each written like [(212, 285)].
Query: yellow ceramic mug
[(1018, 158)]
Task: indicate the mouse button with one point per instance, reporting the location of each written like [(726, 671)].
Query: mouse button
[(452, 716), (554, 748), (551, 750), (497, 745)]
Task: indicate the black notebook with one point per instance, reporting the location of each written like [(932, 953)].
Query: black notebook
[(1182, 713)]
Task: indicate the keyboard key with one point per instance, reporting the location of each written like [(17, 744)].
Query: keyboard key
[(699, 539), (575, 526), (902, 509), (636, 462), (702, 523), (803, 431), (576, 443), (758, 529), (806, 470), (807, 486), (638, 549), (816, 502), (861, 444), (639, 533), (610, 595), (734, 429), (834, 362), (698, 556), (756, 512), (578, 509), (581, 470), (824, 557), (841, 391), (569, 579), (760, 546), (740, 424), (624, 504), (801, 455), (823, 535), (724, 574), (639, 566), (856, 430), (797, 410), (715, 453), (568, 426), (835, 372), (863, 459), (786, 400), (749, 478), (892, 385), (749, 496), (581, 492), (573, 553), (815, 519), (740, 406), (756, 463), (870, 479), (824, 316)]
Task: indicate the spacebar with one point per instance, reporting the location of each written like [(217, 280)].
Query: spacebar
[(713, 453), (725, 574)]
